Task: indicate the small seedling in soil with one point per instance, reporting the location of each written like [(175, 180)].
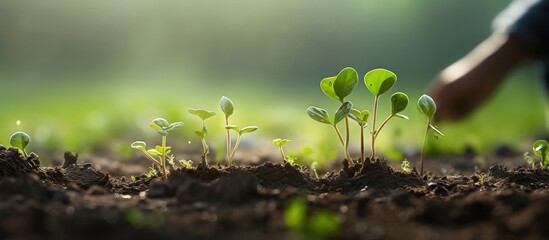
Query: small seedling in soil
[(338, 88), (240, 132), (529, 160), (314, 166), (405, 166), (427, 107), (227, 107), (541, 149), (160, 154), (203, 115), (379, 81), (186, 163), (20, 140), (132, 179), (361, 117), (322, 224), (322, 116), (482, 177), (280, 143)]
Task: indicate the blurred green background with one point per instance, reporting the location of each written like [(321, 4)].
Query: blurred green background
[(88, 76)]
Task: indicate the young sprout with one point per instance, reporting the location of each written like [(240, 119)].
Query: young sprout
[(314, 166), (20, 140), (279, 143), (240, 131), (338, 88), (405, 166), (322, 116), (203, 115), (541, 149), (529, 160), (361, 117), (379, 81), (227, 107), (159, 154), (427, 107)]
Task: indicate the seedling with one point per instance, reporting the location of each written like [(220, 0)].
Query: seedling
[(227, 107), (20, 140), (314, 166), (405, 166), (322, 116), (379, 81), (541, 149), (279, 143), (203, 115), (240, 131), (338, 88), (159, 154), (427, 107), (529, 160), (361, 117), (322, 224)]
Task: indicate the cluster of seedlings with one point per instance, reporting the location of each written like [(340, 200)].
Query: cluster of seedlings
[(378, 82)]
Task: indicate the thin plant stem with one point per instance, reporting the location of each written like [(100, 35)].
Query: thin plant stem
[(423, 148), (154, 160), (347, 137), (282, 154), (374, 128), (206, 150), (228, 141), (362, 143), (342, 142), (383, 125), (234, 149), (163, 166)]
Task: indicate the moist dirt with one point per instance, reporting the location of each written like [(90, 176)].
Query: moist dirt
[(372, 200)]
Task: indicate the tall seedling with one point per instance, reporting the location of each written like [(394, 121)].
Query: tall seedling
[(203, 115), (227, 107), (427, 107), (379, 81), (338, 88), (322, 116)]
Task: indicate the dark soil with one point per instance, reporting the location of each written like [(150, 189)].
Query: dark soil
[(75, 201)]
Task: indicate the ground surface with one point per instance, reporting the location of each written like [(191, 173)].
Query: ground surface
[(75, 201)]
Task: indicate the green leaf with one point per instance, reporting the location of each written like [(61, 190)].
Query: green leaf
[(343, 111), (436, 129), (345, 82), (227, 106), (541, 148), (327, 86), (379, 81), (281, 142), (154, 152), (232, 127), (173, 126), (201, 113), (402, 116), (361, 117), (399, 102), (248, 129), (139, 145), (319, 114), (426, 106), (201, 134), (20, 140), (159, 124), (159, 149)]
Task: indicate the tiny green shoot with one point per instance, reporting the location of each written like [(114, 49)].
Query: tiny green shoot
[(132, 179), (314, 166), (240, 132), (529, 160), (338, 88), (20, 140), (379, 81), (361, 117), (227, 107), (322, 116), (186, 163), (541, 149), (160, 154), (280, 143), (202, 133), (427, 107), (405, 166)]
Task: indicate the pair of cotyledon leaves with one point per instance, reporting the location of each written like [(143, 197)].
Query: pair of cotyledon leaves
[(163, 127), (378, 81), (541, 149), (20, 140)]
